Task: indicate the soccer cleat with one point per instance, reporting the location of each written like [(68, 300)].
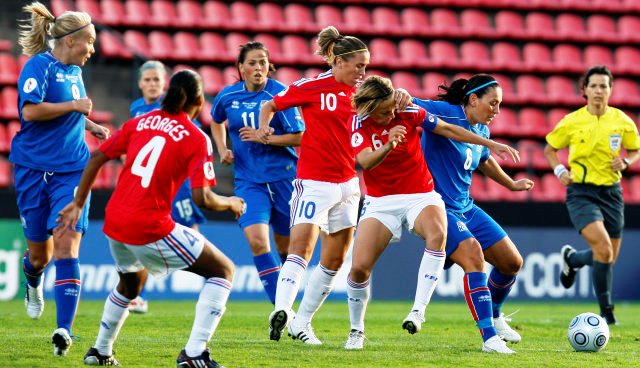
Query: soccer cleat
[(93, 357), (34, 300), (496, 345), (61, 342), (201, 361), (607, 314), (139, 305), (278, 320), (503, 329), (568, 273), (355, 340), (304, 334), (413, 322)]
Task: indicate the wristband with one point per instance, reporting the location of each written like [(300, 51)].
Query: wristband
[(626, 162), (559, 170)]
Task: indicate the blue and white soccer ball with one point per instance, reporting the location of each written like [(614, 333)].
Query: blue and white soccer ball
[(588, 332)]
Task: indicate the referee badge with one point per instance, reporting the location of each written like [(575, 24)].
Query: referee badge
[(614, 142)]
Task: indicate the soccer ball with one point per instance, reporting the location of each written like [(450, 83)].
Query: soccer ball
[(588, 332)]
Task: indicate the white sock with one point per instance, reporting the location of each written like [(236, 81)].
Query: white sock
[(116, 311), (317, 289), (428, 275), (289, 281), (209, 311), (359, 295)]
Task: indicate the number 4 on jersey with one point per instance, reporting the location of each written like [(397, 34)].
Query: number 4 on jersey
[(151, 150)]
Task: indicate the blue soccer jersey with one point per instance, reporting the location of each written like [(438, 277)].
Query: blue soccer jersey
[(140, 107), (256, 162), (58, 144), (452, 163)]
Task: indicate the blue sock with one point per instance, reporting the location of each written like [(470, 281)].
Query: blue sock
[(478, 299), (500, 285), (67, 291), (30, 272), (268, 271)]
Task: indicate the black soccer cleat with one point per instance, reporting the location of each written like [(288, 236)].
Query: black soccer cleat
[(568, 273), (201, 361), (607, 314), (93, 357)]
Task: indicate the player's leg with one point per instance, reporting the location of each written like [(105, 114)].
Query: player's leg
[(596, 236), (280, 195), (36, 259)]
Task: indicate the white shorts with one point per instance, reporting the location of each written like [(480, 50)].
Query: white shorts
[(395, 211), (331, 206), (178, 250)]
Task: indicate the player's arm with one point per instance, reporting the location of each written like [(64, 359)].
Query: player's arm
[(369, 158), (205, 198), (561, 172), (219, 135), (96, 130), (492, 169), (45, 111), (69, 215), (266, 114), (248, 134), (457, 133)]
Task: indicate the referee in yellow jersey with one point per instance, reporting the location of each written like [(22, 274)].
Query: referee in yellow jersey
[(594, 134)]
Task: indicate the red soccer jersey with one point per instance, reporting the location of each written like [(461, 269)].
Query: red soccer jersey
[(326, 106), (404, 170), (162, 151)]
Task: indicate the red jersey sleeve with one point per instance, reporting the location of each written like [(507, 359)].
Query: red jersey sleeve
[(118, 143), (292, 96), (360, 140), (201, 171)]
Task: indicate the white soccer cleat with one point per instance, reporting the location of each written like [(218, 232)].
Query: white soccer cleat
[(413, 322), (304, 333), (34, 300), (496, 345), (503, 329), (61, 342), (278, 320), (139, 305), (355, 340)]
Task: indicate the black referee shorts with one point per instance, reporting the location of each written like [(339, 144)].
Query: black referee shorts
[(588, 203)]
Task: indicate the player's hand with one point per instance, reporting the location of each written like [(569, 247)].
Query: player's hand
[(237, 206), (99, 131), (503, 151), (262, 134), (226, 157), (67, 219), (403, 99), (248, 134), (617, 164), (522, 184), (397, 135), (566, 179), (83, 106)]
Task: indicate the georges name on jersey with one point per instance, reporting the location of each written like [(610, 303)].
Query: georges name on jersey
[(169, 126)]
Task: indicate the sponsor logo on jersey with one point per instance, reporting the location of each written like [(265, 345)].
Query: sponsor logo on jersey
[(385, 132), (59, 77), (72, 78), (342, 94), (235, 105), (432, 118), (208, 170), (29, 85), (614, 142), (249, 105), (461, 226), (356, 139)]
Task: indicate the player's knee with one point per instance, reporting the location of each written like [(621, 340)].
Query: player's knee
[(437, 240), (227, 268), (359, 274), (40, 261), (603, 254)]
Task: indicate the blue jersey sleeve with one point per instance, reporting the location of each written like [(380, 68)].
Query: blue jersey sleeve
[(218, 112), (33, 81), (290, 120)]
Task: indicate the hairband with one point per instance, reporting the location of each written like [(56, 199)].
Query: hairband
[(74, 31), (482, 86), (351, 52)]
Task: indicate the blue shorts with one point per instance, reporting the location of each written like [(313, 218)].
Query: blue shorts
[(41, 195), (184, 210), (474, 223), (267, 203)]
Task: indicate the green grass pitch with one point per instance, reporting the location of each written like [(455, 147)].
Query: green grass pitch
[(448, 339)]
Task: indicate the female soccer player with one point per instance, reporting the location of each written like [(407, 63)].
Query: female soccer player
[(152, 78), (163, 148), (263, 172), (400, 191), (472, 235), (49, 154), (595, 135)]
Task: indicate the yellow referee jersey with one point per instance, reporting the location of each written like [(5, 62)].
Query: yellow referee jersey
[(593, 142)]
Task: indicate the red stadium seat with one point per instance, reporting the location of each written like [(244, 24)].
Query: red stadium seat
[(386, 21), (626, 58), (509, 24), (631, 5), (413, 53), (138, 13), (186, 46), (213, 48), (568, 58), (163, 14), (189, 14), (506, 56), (478, 190), (287, 75), (533, 122), (562, 90), (60, 6), (524, 195), (408, 81), (606, 5), (313, 72), (111, 46), (537, 57), (475, 55), (624, 93), (298, 18), (270, 17), (328, 15), (475, 23), (230, 75), (443, 54), (634, 186), (415, 21), (508, 91), (356, 19), (496, 192), (549, 189), (377, 72), (570, 27), (205, 115), (540, 26), (161, 45), (597, 55), (243, 16), (5, 173), (8, 69), (13, 127), (383, 53), (216, 14), (4, 139), (444, 22), (212, 79), (629, 28), (9, 103), (505, 123), (554, 116), (430, 83), (137, 43), (113, 12), (233, 42), (92, 8), (272, 43), (601, 28), (295, 50), (530, 89)]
